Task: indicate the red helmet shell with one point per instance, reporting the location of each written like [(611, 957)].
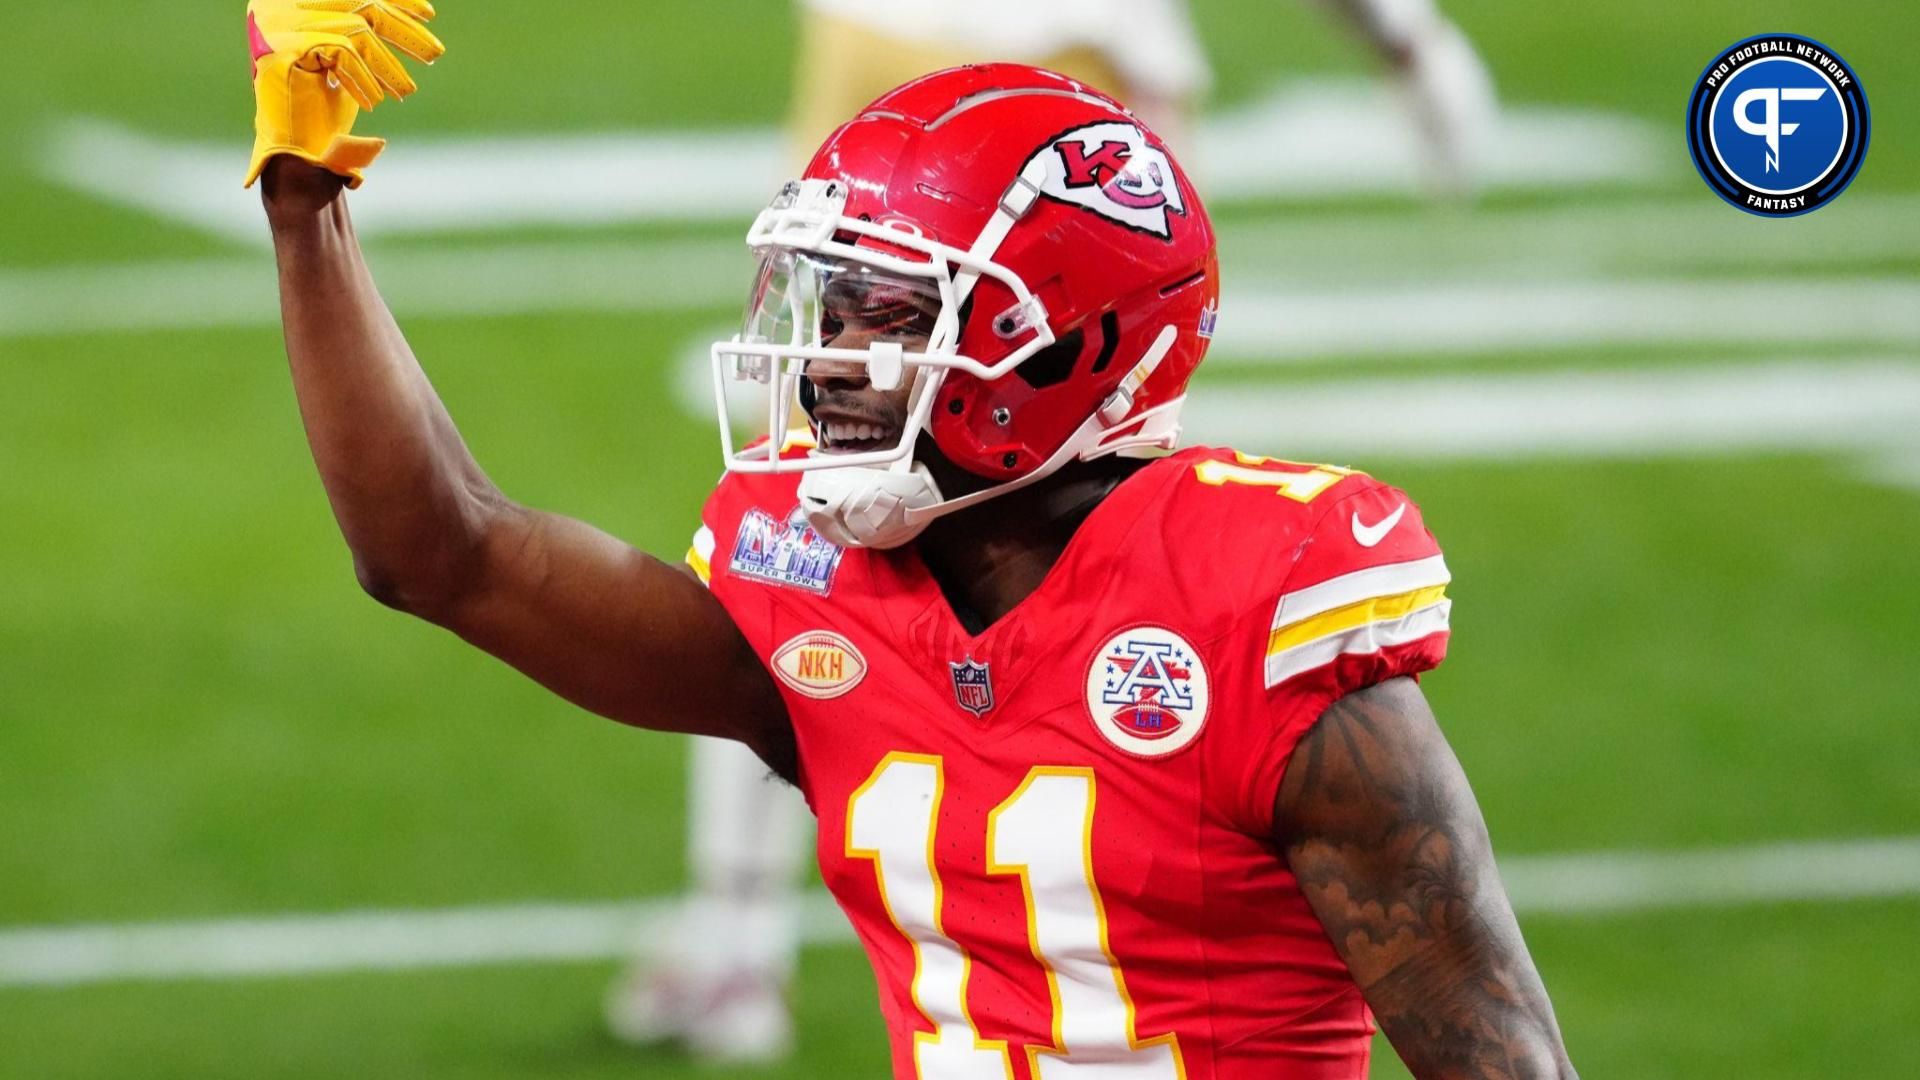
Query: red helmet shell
[(1117, 246)]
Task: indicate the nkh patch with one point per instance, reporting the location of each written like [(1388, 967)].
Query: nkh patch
[(1111, 169), (786, 553), (1147, 691), (819, 664), (972, 686)]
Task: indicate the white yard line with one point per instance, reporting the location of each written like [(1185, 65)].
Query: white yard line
[(1608, 882), (1257, 326), (1865, 409), (1862, 405), (1308, 140), (1900, 469), (1435, 320), (308, 944), (1691, 236), (507, 279), (1336, 137), (1589, 884)]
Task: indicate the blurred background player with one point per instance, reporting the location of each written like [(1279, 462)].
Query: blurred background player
[(715, 980)]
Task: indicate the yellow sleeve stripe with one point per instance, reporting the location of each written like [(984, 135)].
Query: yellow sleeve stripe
[(1355, 614), (1372, 610), (1361, 640), (1388, 579), (700, 555)]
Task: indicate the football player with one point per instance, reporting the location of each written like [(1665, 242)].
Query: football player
[(725, 1002), (1118, 753)]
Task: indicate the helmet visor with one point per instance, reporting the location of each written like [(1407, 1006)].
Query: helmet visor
[(809, 314), (804, 299)]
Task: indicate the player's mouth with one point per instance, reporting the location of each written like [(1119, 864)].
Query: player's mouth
[(855, 425), (856, 437)]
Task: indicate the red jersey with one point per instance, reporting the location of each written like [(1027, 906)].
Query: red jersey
[(1054, 837)]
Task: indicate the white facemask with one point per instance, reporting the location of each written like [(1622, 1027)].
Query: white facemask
[(861, 506)]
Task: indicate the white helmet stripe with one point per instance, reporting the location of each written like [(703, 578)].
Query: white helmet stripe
[(1014, 204)]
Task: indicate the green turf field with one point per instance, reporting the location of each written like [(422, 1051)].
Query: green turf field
[(1658, 646)]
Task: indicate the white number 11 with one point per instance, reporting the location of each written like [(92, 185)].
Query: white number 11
[(1044, 833)]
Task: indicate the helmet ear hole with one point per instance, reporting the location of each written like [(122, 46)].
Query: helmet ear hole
[(1053, 364)]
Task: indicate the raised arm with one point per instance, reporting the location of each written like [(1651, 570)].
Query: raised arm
[(1382, 830), (594, 620), (591, 618)]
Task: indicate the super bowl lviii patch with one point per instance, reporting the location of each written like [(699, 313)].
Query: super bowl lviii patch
[(788, 553)]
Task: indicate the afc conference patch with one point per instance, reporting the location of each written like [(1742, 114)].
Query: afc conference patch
[(788, 553), (1147, 691), (1778, 125)]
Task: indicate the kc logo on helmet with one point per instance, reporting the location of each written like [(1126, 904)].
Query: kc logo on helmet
[(1147, 691), (1111, 169)]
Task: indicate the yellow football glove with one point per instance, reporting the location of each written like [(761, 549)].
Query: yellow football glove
[(317, 63)]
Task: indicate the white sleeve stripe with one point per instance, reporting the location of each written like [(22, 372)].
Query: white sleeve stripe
[(1357, 641), (1392, 579), (703, 543)]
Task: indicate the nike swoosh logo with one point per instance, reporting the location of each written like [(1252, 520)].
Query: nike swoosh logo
[(1369, 535)]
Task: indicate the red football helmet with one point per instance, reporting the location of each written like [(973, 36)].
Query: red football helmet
[(1062, 265)]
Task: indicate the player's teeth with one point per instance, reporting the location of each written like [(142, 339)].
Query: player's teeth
[(838, 434)]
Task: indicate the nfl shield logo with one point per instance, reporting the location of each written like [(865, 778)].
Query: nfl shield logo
[(972, 686)]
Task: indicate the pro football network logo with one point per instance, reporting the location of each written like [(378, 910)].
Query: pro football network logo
[(1111, 169), (819, 664), (1147, 691), (1778, 125), (972, 686), (787, 553)]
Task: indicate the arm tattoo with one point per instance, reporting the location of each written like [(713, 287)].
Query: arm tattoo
[(1379, 826)]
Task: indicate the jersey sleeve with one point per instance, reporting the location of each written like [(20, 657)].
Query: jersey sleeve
[(713, 514), (1363, 599), (700, 554), (732, 495)]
